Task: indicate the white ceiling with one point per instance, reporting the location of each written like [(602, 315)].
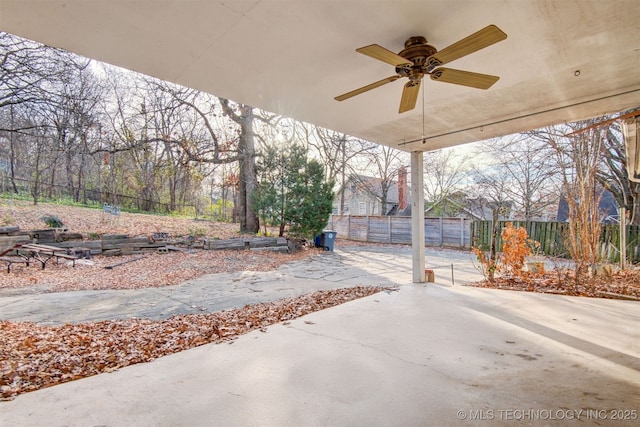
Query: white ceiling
[(293, 56)]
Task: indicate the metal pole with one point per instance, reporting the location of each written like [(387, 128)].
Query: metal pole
[(452, 281)]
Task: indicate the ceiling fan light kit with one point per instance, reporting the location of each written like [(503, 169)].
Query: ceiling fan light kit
[(419, 58)]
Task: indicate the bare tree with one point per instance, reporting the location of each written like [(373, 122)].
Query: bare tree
[(71, 114), (525, 171), (611, 171), (384, 163), (339, 153), (491, 193), (613, 175), (26, 69), (36, 81), (220, 147), (579, 157), (336, 150), (172, 136), (445, 173)]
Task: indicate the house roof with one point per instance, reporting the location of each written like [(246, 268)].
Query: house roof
[(607, 205), (481, 211)]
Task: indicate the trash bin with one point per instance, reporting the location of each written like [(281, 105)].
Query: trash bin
[(326, 240)]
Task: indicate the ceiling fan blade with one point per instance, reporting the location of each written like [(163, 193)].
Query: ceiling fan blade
[(465, 78), (409, 96), (366, 88), (473, 43), (380, 53)]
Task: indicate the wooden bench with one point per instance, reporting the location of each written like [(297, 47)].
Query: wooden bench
[(13, 260)]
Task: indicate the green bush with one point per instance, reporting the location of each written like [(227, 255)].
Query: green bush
[(52, 221), (292, 192)]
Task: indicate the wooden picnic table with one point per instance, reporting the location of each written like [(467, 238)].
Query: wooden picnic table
[(43, 253)]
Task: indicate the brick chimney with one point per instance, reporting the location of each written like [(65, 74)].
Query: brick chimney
[(402, 189)]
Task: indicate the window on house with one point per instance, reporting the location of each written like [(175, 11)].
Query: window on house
[(363, 208)]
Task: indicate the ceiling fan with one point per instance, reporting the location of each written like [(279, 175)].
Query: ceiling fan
[(419, 58)]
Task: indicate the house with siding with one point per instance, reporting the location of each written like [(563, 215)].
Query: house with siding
[(364, 195)]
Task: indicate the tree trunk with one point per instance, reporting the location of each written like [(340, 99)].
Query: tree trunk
[(634, 205), (12, 154), (13, 164), (248, 180)]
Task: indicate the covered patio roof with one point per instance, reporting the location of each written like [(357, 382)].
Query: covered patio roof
[(562, 60)]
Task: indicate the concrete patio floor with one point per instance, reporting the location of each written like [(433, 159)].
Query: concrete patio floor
[(425, 355)]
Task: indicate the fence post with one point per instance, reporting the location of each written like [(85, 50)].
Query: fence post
[(462, 233), (389, 228), (368, 226), (623, 238)]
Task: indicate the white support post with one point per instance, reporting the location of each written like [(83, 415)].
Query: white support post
[(417, 216)]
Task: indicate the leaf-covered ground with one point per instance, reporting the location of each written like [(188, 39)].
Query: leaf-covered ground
[(93, 221), (33, 356), (618, 285), (134, 271), (138, 271)]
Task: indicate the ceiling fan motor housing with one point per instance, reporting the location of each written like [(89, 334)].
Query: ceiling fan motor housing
[(417, 51)]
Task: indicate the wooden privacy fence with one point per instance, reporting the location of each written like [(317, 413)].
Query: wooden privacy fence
[(551, 236), (449, 232)]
